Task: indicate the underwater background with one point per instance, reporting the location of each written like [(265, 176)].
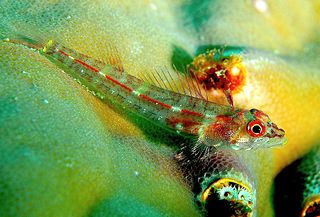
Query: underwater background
[(63, 152)]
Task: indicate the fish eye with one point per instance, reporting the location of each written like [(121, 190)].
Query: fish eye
[(256, 128)]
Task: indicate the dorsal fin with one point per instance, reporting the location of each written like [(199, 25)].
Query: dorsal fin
[(174, 80), (113, 57)]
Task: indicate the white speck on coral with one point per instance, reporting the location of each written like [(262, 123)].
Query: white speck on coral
[(136, 48), (68, 162), (153, 7), (261, 5)]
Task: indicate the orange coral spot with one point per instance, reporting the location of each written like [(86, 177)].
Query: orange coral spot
[(226, 74)]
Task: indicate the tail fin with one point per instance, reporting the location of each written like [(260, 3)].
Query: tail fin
[(38, 44)]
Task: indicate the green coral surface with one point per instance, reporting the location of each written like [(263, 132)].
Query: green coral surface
[(65, 153)]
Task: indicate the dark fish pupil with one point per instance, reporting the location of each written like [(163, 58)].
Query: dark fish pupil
[(256, 129)]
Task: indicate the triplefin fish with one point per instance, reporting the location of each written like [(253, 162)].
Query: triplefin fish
[(211, 124)]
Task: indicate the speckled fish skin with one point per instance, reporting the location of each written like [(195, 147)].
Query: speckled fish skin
[(297, 187)]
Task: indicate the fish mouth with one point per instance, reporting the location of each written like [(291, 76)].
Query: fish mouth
[(276, 131), (276, 135)]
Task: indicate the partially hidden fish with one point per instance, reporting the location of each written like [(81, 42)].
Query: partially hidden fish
[(211, 124)]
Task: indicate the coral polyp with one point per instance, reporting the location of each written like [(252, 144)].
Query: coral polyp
[(214, 71), (222, 184), (312, 207), (231, 195)]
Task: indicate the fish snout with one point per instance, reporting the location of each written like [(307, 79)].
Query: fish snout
[(276, 131)]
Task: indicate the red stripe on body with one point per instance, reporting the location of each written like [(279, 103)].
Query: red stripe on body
[(86, 65), (63, 53), (155, 101), (186, 111), (96, 70), (81, 62), (189, 125), (119, 83)]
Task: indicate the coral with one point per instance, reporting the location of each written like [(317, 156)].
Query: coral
[(297, 187), (63, 152)]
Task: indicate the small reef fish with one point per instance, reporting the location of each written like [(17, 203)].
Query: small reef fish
[(211, 124)]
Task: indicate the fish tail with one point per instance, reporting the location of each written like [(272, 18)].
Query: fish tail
[(42, 45), (47, 47)]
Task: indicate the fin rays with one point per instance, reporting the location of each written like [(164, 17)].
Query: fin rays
[(181, 82)]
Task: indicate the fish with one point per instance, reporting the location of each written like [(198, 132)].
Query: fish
[(211, 125)]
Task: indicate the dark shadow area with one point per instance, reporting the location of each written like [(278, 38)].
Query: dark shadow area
[(297, 187), (288, 195)]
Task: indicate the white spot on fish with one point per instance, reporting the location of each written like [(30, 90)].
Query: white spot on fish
[(176, 109), (102, 74), (136, 93), (210, 115), (179, 126)]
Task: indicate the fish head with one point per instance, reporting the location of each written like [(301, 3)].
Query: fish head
[(256, 130)]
